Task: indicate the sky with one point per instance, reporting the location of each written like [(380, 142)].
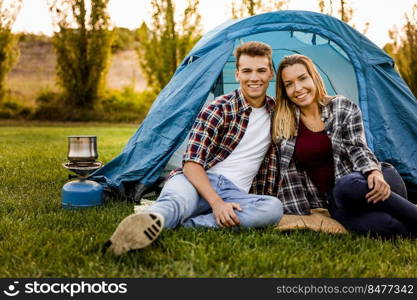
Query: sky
[(382, 14)]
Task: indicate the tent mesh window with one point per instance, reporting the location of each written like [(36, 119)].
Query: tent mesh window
[(332, 62)]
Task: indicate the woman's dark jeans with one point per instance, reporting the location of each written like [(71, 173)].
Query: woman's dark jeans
[(395, 216)]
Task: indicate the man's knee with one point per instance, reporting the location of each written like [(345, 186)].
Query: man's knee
[(177, 183), (273, 210), (178, 197)]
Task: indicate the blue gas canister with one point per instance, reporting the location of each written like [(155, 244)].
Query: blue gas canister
[(81, 194), (82, 155)]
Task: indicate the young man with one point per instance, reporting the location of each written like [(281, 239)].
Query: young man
[(227, 148)]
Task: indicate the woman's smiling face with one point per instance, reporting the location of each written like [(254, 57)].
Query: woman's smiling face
[(299, 85)]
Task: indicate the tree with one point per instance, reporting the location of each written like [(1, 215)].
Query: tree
[(404, 49), (326, 8), (246, 8), (82, 42), (166, 41), (322, 6), (9, 51), (344, 13)]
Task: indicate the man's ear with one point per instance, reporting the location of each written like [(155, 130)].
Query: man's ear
[(272, 74), (237, 75)]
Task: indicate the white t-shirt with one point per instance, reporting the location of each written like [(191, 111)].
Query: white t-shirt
[(242, 165)]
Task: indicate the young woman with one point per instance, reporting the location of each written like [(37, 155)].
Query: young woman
[(324, 160)]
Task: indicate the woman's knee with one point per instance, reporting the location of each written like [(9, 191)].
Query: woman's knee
[(393, 178), (350, 189)]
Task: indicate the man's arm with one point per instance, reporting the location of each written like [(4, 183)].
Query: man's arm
[(223, 211)]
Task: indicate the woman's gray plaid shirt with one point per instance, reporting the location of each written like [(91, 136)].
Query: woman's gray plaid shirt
[(344, 126)]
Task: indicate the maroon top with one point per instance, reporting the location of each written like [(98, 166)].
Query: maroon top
[(313, 153)]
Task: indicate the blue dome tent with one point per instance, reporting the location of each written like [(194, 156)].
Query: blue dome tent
[(349, 63)]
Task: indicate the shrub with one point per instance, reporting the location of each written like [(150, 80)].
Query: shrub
[(126, 105), (124, 39), (13, 109), (37, 39), (49, 106)]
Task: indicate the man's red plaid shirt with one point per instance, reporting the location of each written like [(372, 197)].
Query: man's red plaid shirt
[(217, 131)]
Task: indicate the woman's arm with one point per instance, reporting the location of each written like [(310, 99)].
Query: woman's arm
[(362, 157)]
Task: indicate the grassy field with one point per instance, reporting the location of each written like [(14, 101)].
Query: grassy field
[(39, 239)]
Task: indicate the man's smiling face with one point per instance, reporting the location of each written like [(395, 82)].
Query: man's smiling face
[(254, 74)]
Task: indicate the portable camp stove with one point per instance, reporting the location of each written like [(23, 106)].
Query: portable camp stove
[(82, 155)]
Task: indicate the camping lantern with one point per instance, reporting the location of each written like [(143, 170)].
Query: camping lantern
[(82, 155)]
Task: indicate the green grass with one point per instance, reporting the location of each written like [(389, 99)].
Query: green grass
[(39, 239)]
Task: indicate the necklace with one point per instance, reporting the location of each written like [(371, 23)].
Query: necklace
[(313, 125)]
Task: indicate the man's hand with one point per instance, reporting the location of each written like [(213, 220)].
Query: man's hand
[(224, 213), (380, 189)]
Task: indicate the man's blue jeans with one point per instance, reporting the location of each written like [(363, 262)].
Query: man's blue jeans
[(180, 204)]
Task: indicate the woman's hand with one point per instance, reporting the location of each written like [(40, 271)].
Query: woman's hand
[(380, 189)]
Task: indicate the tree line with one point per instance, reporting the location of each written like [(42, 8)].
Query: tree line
[(83, 39), (403, 49)]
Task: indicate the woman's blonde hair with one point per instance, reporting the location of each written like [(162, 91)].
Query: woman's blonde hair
[(284, 118)]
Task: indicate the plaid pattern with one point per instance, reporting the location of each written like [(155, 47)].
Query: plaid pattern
[(344, 126), (217, 131)]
